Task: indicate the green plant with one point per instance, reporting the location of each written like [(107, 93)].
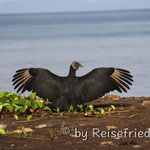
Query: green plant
[(71, 109), (16, 117), (2, 131), (81, 108), (112, 107), (12, 102), (29, 117), (58, 111)]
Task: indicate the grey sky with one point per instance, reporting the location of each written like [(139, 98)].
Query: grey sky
[(27, 6)]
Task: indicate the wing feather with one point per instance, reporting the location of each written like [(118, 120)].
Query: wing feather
[(39, 80), (103, 80)]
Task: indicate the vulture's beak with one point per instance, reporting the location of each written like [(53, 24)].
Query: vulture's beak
[(81, 65)]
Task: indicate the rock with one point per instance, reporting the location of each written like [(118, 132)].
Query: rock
[(17, 131), (56, 138), (146, 102), (68, 142), (82, 124), (111, 127), (114, 97), (41, 126), (136, 146), (106, 143), (72, 135), (28, 129), (2, 126), (12, 145)]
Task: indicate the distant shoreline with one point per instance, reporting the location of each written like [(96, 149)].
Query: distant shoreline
[(76, 12)]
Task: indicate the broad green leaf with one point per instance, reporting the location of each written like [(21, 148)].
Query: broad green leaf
[(58, 110), (16, 117), (102, 111), (109, 109), (29, 117), (9, 107), (71, 108), (86, 114), (47, 108), (80, 107), (25, 133), (34, 106), (3, 94), (19, 102), (6, 104), (16, 98), (33, 96), (51, 133), (2, 131), (75, 112), (26, 107), (20, 108), (113, 107), (91, 107), (40, 104), (1, 107)]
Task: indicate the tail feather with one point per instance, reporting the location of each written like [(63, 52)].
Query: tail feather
[(64, 103)]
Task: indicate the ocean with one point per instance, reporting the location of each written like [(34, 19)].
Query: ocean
[(96, 39)]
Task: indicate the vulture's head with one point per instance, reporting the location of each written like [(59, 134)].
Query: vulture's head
[(76, 65)]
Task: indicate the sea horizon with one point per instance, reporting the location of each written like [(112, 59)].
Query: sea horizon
[(76, 12)]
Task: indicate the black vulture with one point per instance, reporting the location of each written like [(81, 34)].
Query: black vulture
[(72, 90)]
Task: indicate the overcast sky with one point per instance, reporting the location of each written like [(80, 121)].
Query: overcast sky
[(27, 6)]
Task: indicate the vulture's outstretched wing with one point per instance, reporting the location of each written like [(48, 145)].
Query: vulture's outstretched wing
[(39, 80), (103, 80)]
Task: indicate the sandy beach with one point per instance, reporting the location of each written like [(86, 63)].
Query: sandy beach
[(124, 128)]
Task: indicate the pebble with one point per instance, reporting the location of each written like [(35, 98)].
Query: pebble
[(136, 146), (41, 126), (12, 145), (56, 138), (28, 129), (111, 127), (17, 131), (20, 131), (68, 142), (2, 126), (106, 143), (72, 135), (82, 125)]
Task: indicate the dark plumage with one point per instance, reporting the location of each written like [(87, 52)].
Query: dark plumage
[(72, 90)]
